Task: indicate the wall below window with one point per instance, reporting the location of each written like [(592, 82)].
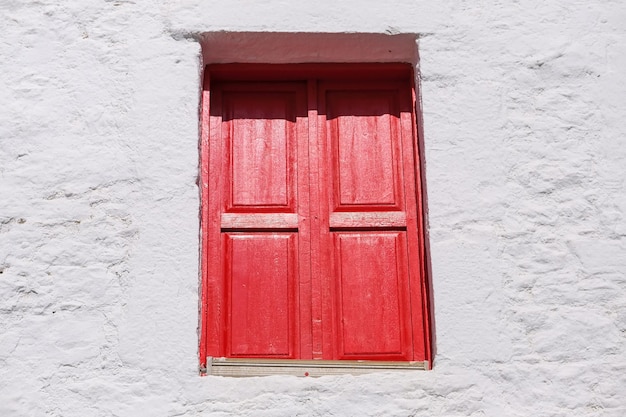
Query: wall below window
[(523, 109)]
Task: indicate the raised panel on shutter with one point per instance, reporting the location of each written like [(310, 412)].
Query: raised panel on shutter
[(363, 128), (261, 279), (371, 303), (260, 133)]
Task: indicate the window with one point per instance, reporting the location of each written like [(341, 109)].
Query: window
[(312, 230)]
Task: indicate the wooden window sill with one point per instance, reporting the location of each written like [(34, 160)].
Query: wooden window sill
[(237, 367)]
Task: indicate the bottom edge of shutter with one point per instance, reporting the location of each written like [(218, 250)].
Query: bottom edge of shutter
[(239, 367)]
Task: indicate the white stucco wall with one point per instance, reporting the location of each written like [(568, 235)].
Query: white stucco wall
[(525, 161)]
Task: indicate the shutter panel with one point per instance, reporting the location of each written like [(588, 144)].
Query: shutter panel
[(258, 228), (368, 274), (261, 294)]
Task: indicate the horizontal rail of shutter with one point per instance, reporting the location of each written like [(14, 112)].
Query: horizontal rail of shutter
[(256, 221), (367, 219)]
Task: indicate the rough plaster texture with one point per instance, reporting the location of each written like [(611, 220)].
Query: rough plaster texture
[(524, 146)]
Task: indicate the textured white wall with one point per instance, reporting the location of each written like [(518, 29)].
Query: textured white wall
[(523, 116)]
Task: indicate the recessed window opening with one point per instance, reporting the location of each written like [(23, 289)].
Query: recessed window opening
[(313, 243)]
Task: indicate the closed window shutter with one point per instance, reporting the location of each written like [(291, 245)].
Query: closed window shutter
[(312, 223)]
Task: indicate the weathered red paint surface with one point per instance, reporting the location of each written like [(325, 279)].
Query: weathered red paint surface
[(260, 297), (312, 232), (371, 300)]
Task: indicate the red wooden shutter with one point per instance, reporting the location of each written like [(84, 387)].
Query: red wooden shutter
[(369, 161), (312, 230), (258, 152)]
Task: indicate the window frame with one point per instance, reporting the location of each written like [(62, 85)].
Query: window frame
[(303, 72)]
